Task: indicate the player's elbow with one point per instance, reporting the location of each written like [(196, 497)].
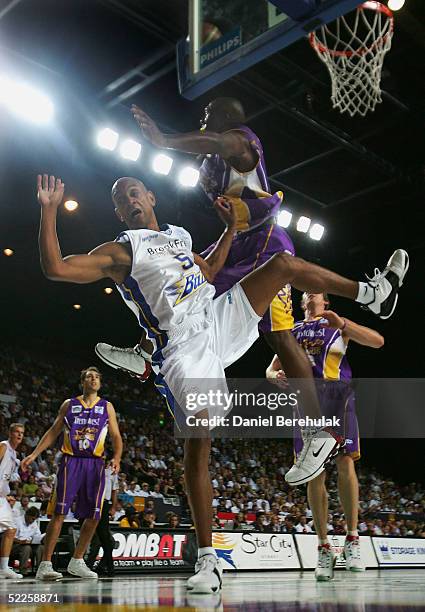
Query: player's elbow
[(51, 271), (380, 341)]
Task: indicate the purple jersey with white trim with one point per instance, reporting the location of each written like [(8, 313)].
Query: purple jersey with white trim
[(85, 428), (325, 348), (249, 191)]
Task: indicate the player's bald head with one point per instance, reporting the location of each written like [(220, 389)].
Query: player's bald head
[(123, 184), (230, 108)]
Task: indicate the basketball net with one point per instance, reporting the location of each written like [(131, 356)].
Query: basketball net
[(353, 48)]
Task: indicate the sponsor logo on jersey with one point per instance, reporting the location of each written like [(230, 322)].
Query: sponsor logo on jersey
[(188, 285), (98, 409), (76, 409), (166, 248)]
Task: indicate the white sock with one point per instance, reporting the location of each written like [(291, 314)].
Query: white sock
[(366, 293), (4, 563), (353, 533), (206, 550)]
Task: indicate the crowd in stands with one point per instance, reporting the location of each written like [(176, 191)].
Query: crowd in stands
[(248, 478)]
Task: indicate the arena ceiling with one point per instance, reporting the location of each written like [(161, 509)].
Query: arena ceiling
[(363, 178)]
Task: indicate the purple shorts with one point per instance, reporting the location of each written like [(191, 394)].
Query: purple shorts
[(248, 252), (337, 399), (81, 479)]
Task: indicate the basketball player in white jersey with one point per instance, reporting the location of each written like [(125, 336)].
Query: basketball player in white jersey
[(9, 464), (195, 337)]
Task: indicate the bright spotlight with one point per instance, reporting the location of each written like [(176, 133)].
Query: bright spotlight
[(316, 231), (395, 5), (162, 163), (108, 290), (189, 176), (284, 218), (303, 224), (130, 149), (76, 306), (71, 205), (25, 101), (107, 139), (8, 252)]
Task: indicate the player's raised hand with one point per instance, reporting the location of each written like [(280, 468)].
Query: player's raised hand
[(226, 211), (331, 320), (49, 191), (150, 130)]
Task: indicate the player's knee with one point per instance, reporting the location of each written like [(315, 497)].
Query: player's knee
[(345, 465)]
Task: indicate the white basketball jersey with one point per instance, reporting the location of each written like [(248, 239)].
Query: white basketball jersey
[(165, 286), (8, 466)]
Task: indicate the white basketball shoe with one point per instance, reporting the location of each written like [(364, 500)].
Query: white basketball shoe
[(353, 561), (133, 360), (78, 567), (9, 574), (385, 285), (46, 572), (318, 449), (207, 577), (325, 563)]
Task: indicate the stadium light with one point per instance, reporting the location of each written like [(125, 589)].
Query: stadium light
[(395, 5), (303, 224), (316, 231), (107, 139), (130, 149), (108, 290), (162, 163), (76, 306), (189, 176), (284, 218), (8, 252), (25, 101), (71, 205)]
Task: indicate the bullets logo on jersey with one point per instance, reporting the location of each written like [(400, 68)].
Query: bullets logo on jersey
[(187, 286)]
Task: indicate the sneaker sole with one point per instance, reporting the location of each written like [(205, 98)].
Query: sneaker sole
[(400, 283), (111, 364), (330, 456)]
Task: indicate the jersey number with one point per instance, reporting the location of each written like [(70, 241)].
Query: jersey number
[(185, 261)]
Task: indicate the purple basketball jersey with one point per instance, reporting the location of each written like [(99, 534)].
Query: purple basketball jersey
[(85, 428), (249, 191)]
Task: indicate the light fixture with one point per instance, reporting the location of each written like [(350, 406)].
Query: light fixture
[(25, 101), (303, 224), (284, 218), (76, 306), (71, 205), (130, 149), (395, 5), (316, 231), (107, 139), (189, 176), (8, 252), (162, 163), (108, 290)]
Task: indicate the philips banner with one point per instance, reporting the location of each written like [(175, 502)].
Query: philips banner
[(255, 551)]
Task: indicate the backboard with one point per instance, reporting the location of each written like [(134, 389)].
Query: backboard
[(228, 36)]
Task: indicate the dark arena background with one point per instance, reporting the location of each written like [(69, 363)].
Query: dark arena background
[(361, 178)]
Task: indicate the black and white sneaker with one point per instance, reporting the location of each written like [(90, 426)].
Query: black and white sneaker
[(386, 285), (319, 448), (134, 360), (207, 577)]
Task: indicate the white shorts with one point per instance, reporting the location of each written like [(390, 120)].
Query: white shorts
[(7, 520), (196, 359)]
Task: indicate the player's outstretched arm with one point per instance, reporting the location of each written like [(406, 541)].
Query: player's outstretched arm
[(114, 432), (109, 260), (352, 331), (232, 144), (49, 437), (217, 258)]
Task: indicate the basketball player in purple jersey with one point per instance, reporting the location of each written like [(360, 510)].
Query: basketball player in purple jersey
[(84, 421), (324, 336), (168, 288), (234, 167)]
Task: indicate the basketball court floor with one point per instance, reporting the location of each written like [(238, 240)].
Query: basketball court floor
[(373, 590)]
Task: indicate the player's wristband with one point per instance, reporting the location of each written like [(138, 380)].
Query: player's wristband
[(344, 326)]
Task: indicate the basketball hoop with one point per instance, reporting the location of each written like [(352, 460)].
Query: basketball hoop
[(353, 48)]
